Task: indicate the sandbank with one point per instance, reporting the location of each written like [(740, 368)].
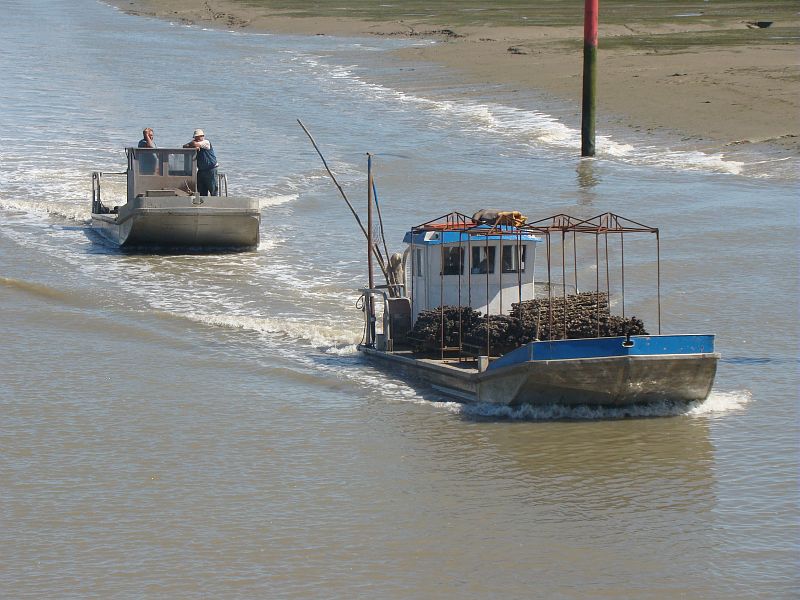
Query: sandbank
[(732, 84)]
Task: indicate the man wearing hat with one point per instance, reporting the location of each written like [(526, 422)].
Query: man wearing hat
[(207, 184)]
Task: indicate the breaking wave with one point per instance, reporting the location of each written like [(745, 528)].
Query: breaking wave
[(65, 210), (316, 334), (533, 127)]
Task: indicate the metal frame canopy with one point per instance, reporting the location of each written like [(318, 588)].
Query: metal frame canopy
[(464, 228), (458, 225), (599, 225)]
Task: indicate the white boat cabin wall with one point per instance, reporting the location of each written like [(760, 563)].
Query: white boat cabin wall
[(489, 273)]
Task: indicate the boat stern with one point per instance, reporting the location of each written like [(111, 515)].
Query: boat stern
[(616, 371)]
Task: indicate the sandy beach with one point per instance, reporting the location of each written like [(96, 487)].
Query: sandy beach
[(735, 82)]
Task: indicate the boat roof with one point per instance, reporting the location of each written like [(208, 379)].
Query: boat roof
[(456, 227), (454, 236)]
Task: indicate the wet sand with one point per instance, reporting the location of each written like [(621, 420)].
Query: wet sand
[(734, 84)]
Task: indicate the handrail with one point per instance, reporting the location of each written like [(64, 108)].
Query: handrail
[(369, 314), (96, 191), (222, 183), (369, 311), (97, 203)]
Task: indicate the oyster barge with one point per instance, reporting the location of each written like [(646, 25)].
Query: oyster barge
[(163, 209), (603, 370)]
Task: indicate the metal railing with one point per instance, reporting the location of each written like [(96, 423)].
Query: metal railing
[(97, 176), (222, 184), (370, 318)]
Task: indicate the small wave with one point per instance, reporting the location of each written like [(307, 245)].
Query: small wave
[(346, 350), (717, 403), (536, 128), (539, 128), (757, 360), (688, 160), (73, 212), (721, 402), (266, 243), (47, 292), (315, 334), (277, 200)]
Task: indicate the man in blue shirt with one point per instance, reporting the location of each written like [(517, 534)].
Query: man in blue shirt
[(207, 184), (147, 160)]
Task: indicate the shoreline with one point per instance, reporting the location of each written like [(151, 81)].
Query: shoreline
[(715, 97)]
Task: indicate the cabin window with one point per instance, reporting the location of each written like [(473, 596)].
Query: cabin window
[(180, 164), (482, 260), (514, 258), (453, 261), (147, 161), (418, 262)]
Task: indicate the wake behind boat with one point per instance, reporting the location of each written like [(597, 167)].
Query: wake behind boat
[(163, 210)]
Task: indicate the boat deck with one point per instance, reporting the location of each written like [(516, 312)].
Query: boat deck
[(461, 365)]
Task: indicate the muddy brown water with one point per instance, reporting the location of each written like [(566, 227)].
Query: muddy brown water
[(188, 425)]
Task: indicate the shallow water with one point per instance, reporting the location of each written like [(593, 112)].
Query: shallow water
[(185, 425)]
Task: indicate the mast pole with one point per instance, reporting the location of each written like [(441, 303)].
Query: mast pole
[(590, 18), (369, 300), (369, 220)]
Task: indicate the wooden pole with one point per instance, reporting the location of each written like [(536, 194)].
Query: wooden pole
[(590, 16)]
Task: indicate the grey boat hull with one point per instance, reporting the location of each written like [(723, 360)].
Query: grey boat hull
[(614, 381), (188, 221)]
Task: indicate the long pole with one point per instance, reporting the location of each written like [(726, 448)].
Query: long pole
[(368, 300), (369, 219), (378, 255), (336, 183), (591, 11), (391, 275)]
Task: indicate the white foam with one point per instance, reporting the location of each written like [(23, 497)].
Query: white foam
[(266, 243), (316, 334), (346, 350), (718, 403), (536, 128), (721, 402), (278, 200), (73, 212), (339, 341)]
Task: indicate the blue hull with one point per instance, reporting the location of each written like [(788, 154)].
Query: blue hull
[(638, 345)]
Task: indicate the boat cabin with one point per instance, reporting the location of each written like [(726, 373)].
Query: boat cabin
[(155, 173), (161, 172), (486, 267)]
